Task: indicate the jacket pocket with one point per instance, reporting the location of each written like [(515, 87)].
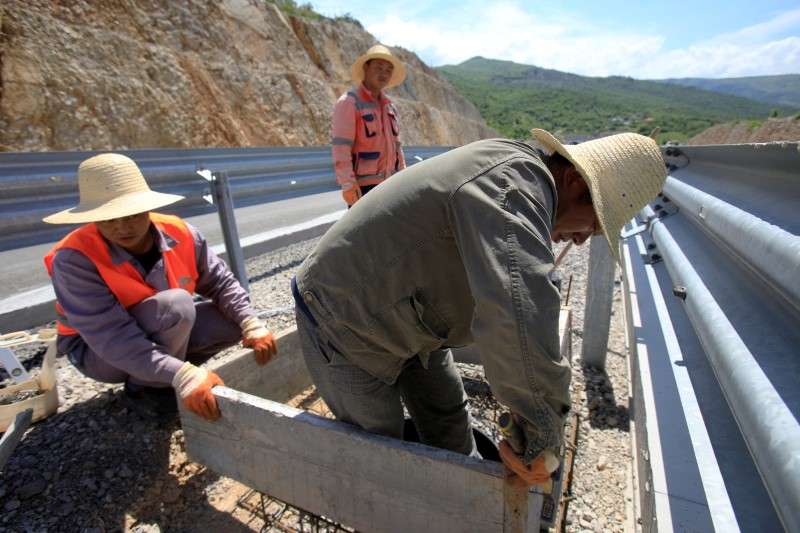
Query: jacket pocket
[(367, 163), (430, 320), (370, 125)]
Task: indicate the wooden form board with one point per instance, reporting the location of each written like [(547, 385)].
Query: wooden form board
[(363, 481), (280, 380)]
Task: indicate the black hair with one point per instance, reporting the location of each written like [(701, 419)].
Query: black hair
[(559, 159)]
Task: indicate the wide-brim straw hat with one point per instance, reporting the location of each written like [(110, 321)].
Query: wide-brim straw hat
[(624, 172), (111, 186), (379, 52)]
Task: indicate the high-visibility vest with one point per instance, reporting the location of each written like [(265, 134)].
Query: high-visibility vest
[(124, 280), (366, 138)]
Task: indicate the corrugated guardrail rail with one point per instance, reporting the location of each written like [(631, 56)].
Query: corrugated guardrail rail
[(34, 185), (712, 291), (711, 285)]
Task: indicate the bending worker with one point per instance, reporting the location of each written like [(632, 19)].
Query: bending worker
[(366, 129), (459, 254), (124, 285)]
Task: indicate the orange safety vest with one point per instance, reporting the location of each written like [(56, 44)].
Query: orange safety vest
[(124, 280), (366, 138)]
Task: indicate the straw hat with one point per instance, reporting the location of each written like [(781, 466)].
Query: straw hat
[(624, 172), (379, 52), (111, 186)]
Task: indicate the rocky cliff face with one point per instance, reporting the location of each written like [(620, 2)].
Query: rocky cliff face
[(126, 74)]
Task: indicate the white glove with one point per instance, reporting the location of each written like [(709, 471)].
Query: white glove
[(253, 328), (194, 385), (351, 192), (536, 473), (259, 338)]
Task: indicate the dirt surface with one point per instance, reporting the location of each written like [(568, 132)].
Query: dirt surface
[(772, 130), (95, 467)]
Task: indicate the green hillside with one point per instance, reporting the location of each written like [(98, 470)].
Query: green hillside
[(514, 98), (783, 89)]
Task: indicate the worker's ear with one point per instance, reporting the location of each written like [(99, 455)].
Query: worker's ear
[(571, 175)]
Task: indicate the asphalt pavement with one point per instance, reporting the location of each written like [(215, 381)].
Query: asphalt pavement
[(26, 295)]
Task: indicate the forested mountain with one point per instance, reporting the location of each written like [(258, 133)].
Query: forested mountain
[(513, 98), (783, 89)]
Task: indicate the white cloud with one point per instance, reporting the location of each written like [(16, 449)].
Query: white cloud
[(511, 34), (564, 41), (729, 61), (783, 23)]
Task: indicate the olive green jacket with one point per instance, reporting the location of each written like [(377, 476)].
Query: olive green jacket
[(452, 251)]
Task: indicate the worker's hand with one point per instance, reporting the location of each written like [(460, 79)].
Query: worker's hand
[(258, 337), (351, 192), (194, 385), (536, 473)]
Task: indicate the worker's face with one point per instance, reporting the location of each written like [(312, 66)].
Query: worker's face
[(131, 232), (377, 73), (576, 219)]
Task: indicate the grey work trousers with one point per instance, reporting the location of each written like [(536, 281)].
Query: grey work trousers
[(187, 330), (434, 396)]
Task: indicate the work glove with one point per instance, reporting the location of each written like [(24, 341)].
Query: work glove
[(194, 385), (536, 473), (258, 337), (351, 192)]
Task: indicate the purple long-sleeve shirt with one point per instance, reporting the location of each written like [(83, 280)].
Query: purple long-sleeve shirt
[(107, 327)]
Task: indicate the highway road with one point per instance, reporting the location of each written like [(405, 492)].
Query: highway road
[(25, 279)]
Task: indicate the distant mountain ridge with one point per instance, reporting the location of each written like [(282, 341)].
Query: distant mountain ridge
[(781, 89), (513, 98)]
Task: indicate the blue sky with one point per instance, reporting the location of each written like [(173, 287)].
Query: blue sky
[(642, 39)]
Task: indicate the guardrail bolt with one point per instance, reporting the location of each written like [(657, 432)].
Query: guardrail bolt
[(679, 291)]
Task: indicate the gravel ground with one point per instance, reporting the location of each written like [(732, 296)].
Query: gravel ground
[(94, 466)]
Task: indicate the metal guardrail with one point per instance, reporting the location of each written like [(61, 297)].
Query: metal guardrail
[(712, 290), (712, 300), (34, 185)]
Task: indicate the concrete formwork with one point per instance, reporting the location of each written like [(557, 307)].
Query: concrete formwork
[(332, 469)]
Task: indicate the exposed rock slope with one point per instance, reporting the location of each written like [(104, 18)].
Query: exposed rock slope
[(122, 74)]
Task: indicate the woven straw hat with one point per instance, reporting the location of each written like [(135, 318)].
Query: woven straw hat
[(379, 52), (624, 172), (111, 186)]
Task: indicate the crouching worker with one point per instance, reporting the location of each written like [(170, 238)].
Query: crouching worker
[(459, 252), (124, 285)]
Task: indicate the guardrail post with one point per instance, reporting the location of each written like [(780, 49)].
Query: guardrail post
[(227, 219), (599, 297)]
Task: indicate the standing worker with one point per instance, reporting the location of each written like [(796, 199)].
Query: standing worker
[(124, 285), (366, 129), (457, 251)]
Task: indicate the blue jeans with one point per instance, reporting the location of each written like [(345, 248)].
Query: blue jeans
[(434, 397)]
